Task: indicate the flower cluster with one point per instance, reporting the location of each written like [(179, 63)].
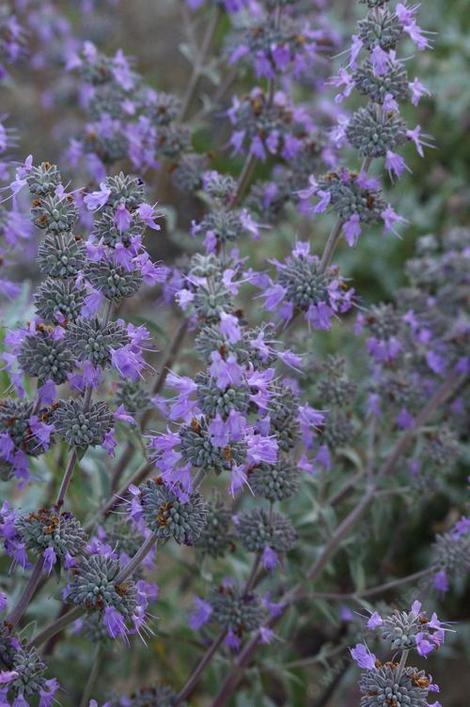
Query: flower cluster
[(22, 674), (395, 682), (376, 130)]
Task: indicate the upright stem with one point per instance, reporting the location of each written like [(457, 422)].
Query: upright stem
[(207, 657), (66, 479), (443, 393), (120, 495), (341, 532), (335, 233), (167, 365), (243, 179), (330, 245), (84, 702), (402, 665), (28, 592), (195, 675), (254, 571), (135, 561)]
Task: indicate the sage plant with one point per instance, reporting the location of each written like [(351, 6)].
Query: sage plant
[(237, 423)]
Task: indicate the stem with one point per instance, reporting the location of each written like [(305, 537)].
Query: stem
[(243, 179), (230, 684), (84, 702), (330, 245), (401, 667), (341, 532), (66, 479), (335, 233), (373, 591), (199, 65), (27, 595), (251, 581), (57, 626), (121, 465), (135, 561), (195, 675), (120, 495), (343, 491), (324, 699), (73, 458)]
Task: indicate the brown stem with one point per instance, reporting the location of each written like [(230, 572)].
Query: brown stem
[(120, 495), (28, 593), (243, 179), (373, 591), (67, 478), (198, 670)]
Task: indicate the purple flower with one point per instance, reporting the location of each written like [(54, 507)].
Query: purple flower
[(266, 635), (47, 693), (415, 136), (380, 60), (363, 657), (319, 315), (395, 163), (417, 91), (226, 372), (325, 198), (273, 296), (390, 218), (375, 621), (262, 449), (41, 430), (7, 446), (122, 218), (230, 327), (352, 230), (423, 645), (232, 641), (148, 214), (50, 558), (114, 622), (441, 581), (7, 676), (97, 199), (201, 614), (127, 362), (269, 558), (238, 478), (356, 46)]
